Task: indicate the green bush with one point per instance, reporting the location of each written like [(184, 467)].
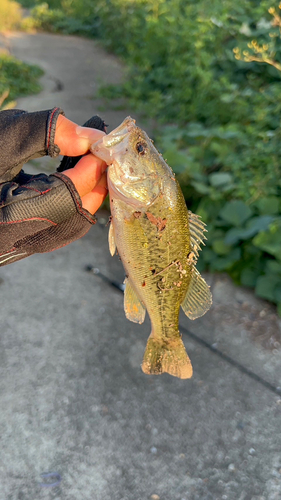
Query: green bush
[(10, 15), (17, 78), (44, 18)]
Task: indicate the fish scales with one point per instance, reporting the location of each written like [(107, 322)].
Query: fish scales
[(157, 282), (158, 242)]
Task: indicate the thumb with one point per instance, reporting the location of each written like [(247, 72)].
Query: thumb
[(74, 140)]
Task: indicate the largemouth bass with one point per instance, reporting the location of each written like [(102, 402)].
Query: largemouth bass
[(158, 241)]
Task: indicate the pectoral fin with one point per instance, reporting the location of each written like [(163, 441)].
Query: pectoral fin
[(134, 309), (111, 240), (198, 299)]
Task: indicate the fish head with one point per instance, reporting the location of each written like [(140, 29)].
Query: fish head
[(135, 172)]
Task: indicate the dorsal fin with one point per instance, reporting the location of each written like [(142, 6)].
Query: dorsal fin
[(198, 299), (196, 231), (134, 309)]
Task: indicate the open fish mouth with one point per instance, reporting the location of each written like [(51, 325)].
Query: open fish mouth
[(103, 148), (118, 134)]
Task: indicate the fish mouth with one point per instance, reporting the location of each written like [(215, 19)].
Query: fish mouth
[(119, 133), (103, 147)]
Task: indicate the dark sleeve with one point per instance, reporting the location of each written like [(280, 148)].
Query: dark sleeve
[(38, 213), (24, 136)]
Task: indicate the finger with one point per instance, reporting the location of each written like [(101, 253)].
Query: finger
[(86, 173), (92, 201), (74, 140)]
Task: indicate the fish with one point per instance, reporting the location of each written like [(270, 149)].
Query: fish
[(158, 240)]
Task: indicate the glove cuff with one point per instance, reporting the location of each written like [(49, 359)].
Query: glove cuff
[(52, 149)]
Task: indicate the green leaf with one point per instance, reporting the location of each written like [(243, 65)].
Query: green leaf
[(257, 224), (266, 285), (235, 212), (177, 160), (208, 255), (196, 130), (249, 277), (273, 266), (253, 226), (269, 205), (227, 98), (219, 179), (220, 247), (200, 187), (277, 292), (234, 235), (270, 241), (224, 263)]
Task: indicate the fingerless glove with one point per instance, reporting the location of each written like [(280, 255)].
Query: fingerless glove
[(38, 213)]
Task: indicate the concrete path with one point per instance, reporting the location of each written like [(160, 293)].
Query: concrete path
[(74, 401)]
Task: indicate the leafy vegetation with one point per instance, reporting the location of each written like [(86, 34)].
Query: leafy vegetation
[(209, 73), (53, 20), (10, 15), (17, 78)]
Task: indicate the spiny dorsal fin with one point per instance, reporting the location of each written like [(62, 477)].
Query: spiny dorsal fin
[(134, 309), (198, 299), (111, 240), (196, 231)]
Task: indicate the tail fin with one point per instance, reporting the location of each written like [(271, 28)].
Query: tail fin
[(166, 356)]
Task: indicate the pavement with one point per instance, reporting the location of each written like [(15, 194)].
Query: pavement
[(78, 418)]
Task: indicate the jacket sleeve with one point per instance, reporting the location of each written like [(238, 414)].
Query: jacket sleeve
[(24, 136), (37, 213)]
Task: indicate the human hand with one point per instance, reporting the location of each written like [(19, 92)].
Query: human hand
[(88, 175)]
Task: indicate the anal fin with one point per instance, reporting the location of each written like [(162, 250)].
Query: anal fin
[(134, 309), (198, 299)]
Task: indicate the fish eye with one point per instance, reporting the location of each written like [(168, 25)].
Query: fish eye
[(141, 148)]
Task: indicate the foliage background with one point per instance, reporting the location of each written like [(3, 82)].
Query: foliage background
[(16, 78), (10, 15), (209, 74)]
